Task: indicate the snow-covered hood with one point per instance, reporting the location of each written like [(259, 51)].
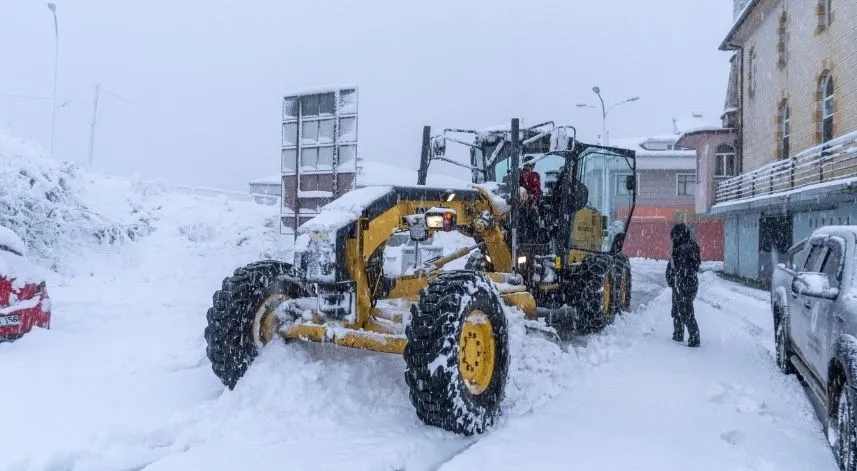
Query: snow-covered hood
[(18, 268)]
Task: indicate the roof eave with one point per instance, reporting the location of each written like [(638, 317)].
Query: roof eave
[(727, 44)]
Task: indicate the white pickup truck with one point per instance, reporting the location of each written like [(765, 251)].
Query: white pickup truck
[(815, 328)]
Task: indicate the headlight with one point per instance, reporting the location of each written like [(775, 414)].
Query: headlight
[(522, 259)]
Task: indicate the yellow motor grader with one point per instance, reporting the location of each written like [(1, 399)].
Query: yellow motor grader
[(450, 325)]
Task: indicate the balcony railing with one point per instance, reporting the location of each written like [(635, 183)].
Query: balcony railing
[(831, 161)]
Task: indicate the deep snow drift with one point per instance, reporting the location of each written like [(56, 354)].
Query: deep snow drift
[(121, 380)]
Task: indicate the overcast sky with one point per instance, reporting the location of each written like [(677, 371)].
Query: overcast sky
[(202, 81)]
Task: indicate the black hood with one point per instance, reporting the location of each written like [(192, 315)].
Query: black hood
[(680, 233)]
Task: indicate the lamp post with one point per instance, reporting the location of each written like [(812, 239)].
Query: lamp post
[(604, 110), (53, 8)]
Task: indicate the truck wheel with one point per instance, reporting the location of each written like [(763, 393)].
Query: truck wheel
[(243, 317), (845, 430), (781, 341), (457, 354), (621, 283), (595, 295)]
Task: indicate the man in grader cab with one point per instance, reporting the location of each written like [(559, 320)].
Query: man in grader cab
[(450, 326), (531, 184)]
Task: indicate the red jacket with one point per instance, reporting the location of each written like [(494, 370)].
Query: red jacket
[(532, 182)]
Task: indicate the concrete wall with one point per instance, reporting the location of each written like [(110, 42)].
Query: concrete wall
[(810, 51)]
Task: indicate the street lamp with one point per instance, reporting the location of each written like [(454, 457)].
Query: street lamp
[(604, 110), (53, 8)]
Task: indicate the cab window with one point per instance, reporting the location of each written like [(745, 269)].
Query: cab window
[(816, 257), (831, 267), (796, 258)]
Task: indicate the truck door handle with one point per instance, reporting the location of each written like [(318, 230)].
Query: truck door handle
[(807, 304)]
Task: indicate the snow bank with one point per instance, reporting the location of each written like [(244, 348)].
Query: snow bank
[(45, 202)]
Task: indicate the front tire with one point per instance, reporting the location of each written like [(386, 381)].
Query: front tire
[(457, 354), (242, 318), (781, 342)]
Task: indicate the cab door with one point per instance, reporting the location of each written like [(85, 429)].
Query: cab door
[(825, 323), (800, 307)]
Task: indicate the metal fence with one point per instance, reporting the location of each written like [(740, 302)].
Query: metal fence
[(833, 160)]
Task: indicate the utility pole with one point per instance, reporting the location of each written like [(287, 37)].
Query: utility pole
[(53, 8), (92, 126)]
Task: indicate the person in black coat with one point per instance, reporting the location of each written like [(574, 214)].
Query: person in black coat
[(681, 277)]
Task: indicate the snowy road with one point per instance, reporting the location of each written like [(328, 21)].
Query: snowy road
[(121, 382)]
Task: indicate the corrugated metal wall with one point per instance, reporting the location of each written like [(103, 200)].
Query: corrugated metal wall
[(731, 245), (748, 252)]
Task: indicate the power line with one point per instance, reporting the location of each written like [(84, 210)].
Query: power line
[(34, 97)]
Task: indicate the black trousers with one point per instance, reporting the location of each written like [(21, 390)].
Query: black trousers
[(683, 316)]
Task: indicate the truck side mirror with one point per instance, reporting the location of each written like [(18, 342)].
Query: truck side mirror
[(630, 183), (815, 285)]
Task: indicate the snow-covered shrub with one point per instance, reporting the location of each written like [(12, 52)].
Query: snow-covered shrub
[(41, 201), (197, 232)]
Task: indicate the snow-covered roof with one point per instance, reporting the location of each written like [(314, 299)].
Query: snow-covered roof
[(319, 89), (269, 180), (742, 17), (837, 230)]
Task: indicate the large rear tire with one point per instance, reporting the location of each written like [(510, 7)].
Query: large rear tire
[(842, 428), (457, 354), (242, 318), (595, 294)]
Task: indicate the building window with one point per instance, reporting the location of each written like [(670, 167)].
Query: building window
[(826, 106), (824, 10), (686, 184), (785, 128), (782, 41), (724, 161), (751, 72)]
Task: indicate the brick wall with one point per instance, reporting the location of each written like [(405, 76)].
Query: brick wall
[(651, 239), (808, 52)]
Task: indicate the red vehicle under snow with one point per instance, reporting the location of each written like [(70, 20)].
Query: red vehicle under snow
[(24, 301)]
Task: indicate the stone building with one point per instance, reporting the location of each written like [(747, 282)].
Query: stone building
[(793, 102)]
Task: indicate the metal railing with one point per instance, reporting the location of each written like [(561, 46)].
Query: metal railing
[(831, 161)]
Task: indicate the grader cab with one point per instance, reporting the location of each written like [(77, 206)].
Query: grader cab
[(450, 325)]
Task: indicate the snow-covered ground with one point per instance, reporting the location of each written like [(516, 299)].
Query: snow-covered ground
[(121, 380)]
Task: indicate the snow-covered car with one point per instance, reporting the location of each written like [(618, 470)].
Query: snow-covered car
[(814, 302), (24, 301)]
